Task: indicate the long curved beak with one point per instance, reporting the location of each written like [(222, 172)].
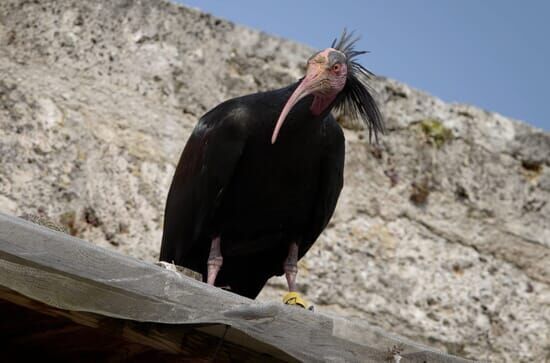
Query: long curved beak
[(306, 87)]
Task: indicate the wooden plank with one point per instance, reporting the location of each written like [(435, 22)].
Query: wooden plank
[(26, 334), (72, 274), (188, 341)]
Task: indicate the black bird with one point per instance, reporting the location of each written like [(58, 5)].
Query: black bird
[(250, 197)]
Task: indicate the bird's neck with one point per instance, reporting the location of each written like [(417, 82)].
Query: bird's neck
[(321, 103)]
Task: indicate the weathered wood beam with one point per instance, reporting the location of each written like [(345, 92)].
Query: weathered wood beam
[(71, 274), (188, 341)]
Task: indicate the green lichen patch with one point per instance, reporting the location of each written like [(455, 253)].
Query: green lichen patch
[(436, 133)]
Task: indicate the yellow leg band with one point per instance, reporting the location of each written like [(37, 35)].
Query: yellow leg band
[(293, 298)]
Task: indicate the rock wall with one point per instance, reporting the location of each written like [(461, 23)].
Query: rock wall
[(442, 233)]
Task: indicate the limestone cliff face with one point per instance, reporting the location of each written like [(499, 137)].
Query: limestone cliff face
[(442, 233)]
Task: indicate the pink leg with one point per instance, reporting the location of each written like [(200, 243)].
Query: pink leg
[(291, 267), (215, 261)]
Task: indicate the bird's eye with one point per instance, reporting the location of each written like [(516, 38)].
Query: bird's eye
[(336, 67)]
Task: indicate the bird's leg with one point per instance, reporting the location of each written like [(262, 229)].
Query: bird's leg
[(215, 261), (291, 267)]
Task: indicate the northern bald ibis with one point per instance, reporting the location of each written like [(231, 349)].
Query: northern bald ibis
[(260, 175)]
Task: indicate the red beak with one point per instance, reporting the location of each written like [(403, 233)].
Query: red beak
[(306, 87)]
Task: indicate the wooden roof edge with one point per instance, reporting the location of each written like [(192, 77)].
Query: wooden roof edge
[(71, 274)]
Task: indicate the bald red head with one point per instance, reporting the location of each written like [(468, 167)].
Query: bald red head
[(325, 77)]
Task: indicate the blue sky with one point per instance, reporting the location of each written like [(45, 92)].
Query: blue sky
[(494, 54)]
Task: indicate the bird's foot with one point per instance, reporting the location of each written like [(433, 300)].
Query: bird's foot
[(293, 298)]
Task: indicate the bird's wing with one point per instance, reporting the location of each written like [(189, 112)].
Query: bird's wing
[(331, 182), (205, 168)]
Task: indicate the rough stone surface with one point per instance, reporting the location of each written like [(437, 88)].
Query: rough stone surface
[(442, 233)]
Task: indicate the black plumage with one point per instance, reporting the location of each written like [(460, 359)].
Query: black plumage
[(231, 182)]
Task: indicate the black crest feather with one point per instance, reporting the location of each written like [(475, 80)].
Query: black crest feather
[(356, 100)]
